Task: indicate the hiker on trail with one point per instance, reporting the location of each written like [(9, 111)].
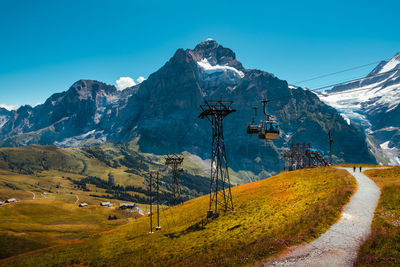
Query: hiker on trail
[(354, 168), (360, 168)]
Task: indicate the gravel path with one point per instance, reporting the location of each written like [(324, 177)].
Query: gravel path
[(33, 194), (77, 199), (340, 244)]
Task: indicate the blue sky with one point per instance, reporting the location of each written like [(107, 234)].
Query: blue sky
[(45, 46)]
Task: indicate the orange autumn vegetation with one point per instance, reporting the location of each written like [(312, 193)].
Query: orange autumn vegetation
[(269, 216)]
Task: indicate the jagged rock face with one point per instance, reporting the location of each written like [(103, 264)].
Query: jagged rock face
[(374, 102), (72, 113), (215, 54), (5, 115), (163, 111)]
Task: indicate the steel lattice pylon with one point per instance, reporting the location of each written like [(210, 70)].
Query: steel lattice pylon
[(220, 187), (175, 160), (302, 155), (330, 146)]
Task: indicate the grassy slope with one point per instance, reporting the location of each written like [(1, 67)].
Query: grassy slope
[(126, 164), (35, 224), (363, 165), (270, 215), (382, 248), (46, 164), (23, 187)]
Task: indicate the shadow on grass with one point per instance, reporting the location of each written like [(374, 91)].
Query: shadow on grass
[(201, 225)]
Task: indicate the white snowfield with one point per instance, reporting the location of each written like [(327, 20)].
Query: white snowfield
[(340, 244), (3, 120), (209, 69), (375, 98), (371, 94), (354, 100), (393, 153), (393, 63)]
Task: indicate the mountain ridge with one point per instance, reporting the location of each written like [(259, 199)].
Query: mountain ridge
[(162, 108)]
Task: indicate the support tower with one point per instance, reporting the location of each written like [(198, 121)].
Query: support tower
[(330, 146), (220, 187), (150, 184), (174, 161)]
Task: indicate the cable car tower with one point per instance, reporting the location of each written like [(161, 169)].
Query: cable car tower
[(220, 187), (149, 182), (174, 160), (330, 146)]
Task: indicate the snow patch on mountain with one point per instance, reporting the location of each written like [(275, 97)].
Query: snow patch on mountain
[(392, 151), (371, 98), (209, 69), (3, 120), (344, 116), (393, 63), (90, 138), (9, 107), (349, 107), (361, 98)]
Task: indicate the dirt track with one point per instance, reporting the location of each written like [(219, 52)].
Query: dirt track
[(340, 244)]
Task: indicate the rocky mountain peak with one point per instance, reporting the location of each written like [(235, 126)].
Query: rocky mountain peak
[(5, 114), (88, 88), (215, 54), (385, 66), (208, 44)]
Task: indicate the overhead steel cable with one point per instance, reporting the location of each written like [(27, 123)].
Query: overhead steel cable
[(313, 90), (337, 84), (186, 132), (338, 72), (355, 80)]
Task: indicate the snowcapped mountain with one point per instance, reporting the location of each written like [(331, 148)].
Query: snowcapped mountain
[(162, 113), (373, 102), (64, 116)]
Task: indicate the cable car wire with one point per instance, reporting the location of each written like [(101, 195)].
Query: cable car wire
[(338, 72), (331, 85), (337, 84), (186, 132), (355, 80), (313, 90)]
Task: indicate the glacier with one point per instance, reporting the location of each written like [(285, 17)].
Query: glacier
[(374, 103)]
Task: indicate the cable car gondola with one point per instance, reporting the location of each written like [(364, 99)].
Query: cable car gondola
[(251, 127), (269, 128)]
